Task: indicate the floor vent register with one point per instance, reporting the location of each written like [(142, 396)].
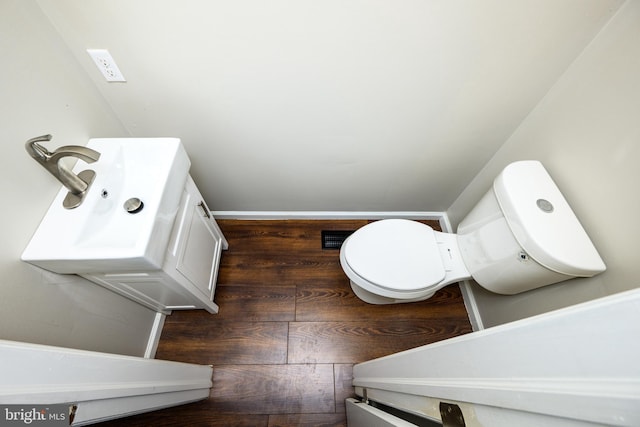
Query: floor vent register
[(333, 239)]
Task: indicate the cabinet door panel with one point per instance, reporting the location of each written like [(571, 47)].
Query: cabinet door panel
[(200, 252), (153, 289)]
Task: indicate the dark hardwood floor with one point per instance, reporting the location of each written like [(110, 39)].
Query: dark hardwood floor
[(290, 330)]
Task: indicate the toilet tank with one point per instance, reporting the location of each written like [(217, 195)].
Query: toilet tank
[(523, 234)]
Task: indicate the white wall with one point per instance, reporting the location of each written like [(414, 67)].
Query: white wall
[(300, 105), (586, 132), (332, 105), (44, 91)]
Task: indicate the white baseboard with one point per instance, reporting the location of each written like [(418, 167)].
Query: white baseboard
[(275, 215), (445, 225), (471, 306), (154, 336), (441, 217)]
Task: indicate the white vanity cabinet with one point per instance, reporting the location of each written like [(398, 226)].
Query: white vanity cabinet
[(188, 276)]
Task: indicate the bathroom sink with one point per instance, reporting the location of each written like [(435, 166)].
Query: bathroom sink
[(125, 220)]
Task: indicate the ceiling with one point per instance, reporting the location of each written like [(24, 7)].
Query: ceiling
[(350, 105)]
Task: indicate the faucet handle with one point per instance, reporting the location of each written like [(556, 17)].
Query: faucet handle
[(36, 150), (40, 139)]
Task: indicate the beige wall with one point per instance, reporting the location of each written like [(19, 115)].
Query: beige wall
[(44, 91), (586, 131), (330, 105), (263, 132)]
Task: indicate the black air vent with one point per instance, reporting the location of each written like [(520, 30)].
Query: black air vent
[(333, 239)]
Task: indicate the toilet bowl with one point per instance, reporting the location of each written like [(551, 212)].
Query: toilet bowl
[(520, 236), (398, 260)]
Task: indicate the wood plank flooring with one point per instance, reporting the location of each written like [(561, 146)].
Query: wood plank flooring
[(290, 330)]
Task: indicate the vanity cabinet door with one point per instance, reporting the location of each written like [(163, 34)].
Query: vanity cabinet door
[(200, 243), (201, 251)]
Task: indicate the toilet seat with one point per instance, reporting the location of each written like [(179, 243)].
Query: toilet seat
[(397, 255)]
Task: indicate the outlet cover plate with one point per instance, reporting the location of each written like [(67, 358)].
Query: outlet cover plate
[(107, 66)]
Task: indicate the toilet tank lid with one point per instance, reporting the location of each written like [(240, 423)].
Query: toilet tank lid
[(542, 221)]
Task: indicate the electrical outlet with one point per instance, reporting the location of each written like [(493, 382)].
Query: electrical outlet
[(107, 66)]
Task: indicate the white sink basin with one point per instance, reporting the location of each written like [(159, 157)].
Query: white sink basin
[(100, 235)]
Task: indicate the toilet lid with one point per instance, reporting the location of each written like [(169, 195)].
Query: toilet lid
[(396, 254)]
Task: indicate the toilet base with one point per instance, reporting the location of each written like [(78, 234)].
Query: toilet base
[(371, 298)]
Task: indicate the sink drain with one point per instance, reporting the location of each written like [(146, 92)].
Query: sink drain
[(133, 205)]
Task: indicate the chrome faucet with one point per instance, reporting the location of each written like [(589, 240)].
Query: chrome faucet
[(78, 185)]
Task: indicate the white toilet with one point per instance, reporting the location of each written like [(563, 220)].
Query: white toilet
[(520, 236)]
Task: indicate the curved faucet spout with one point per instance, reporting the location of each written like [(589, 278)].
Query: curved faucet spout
[(82, 153), (76, 185)]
